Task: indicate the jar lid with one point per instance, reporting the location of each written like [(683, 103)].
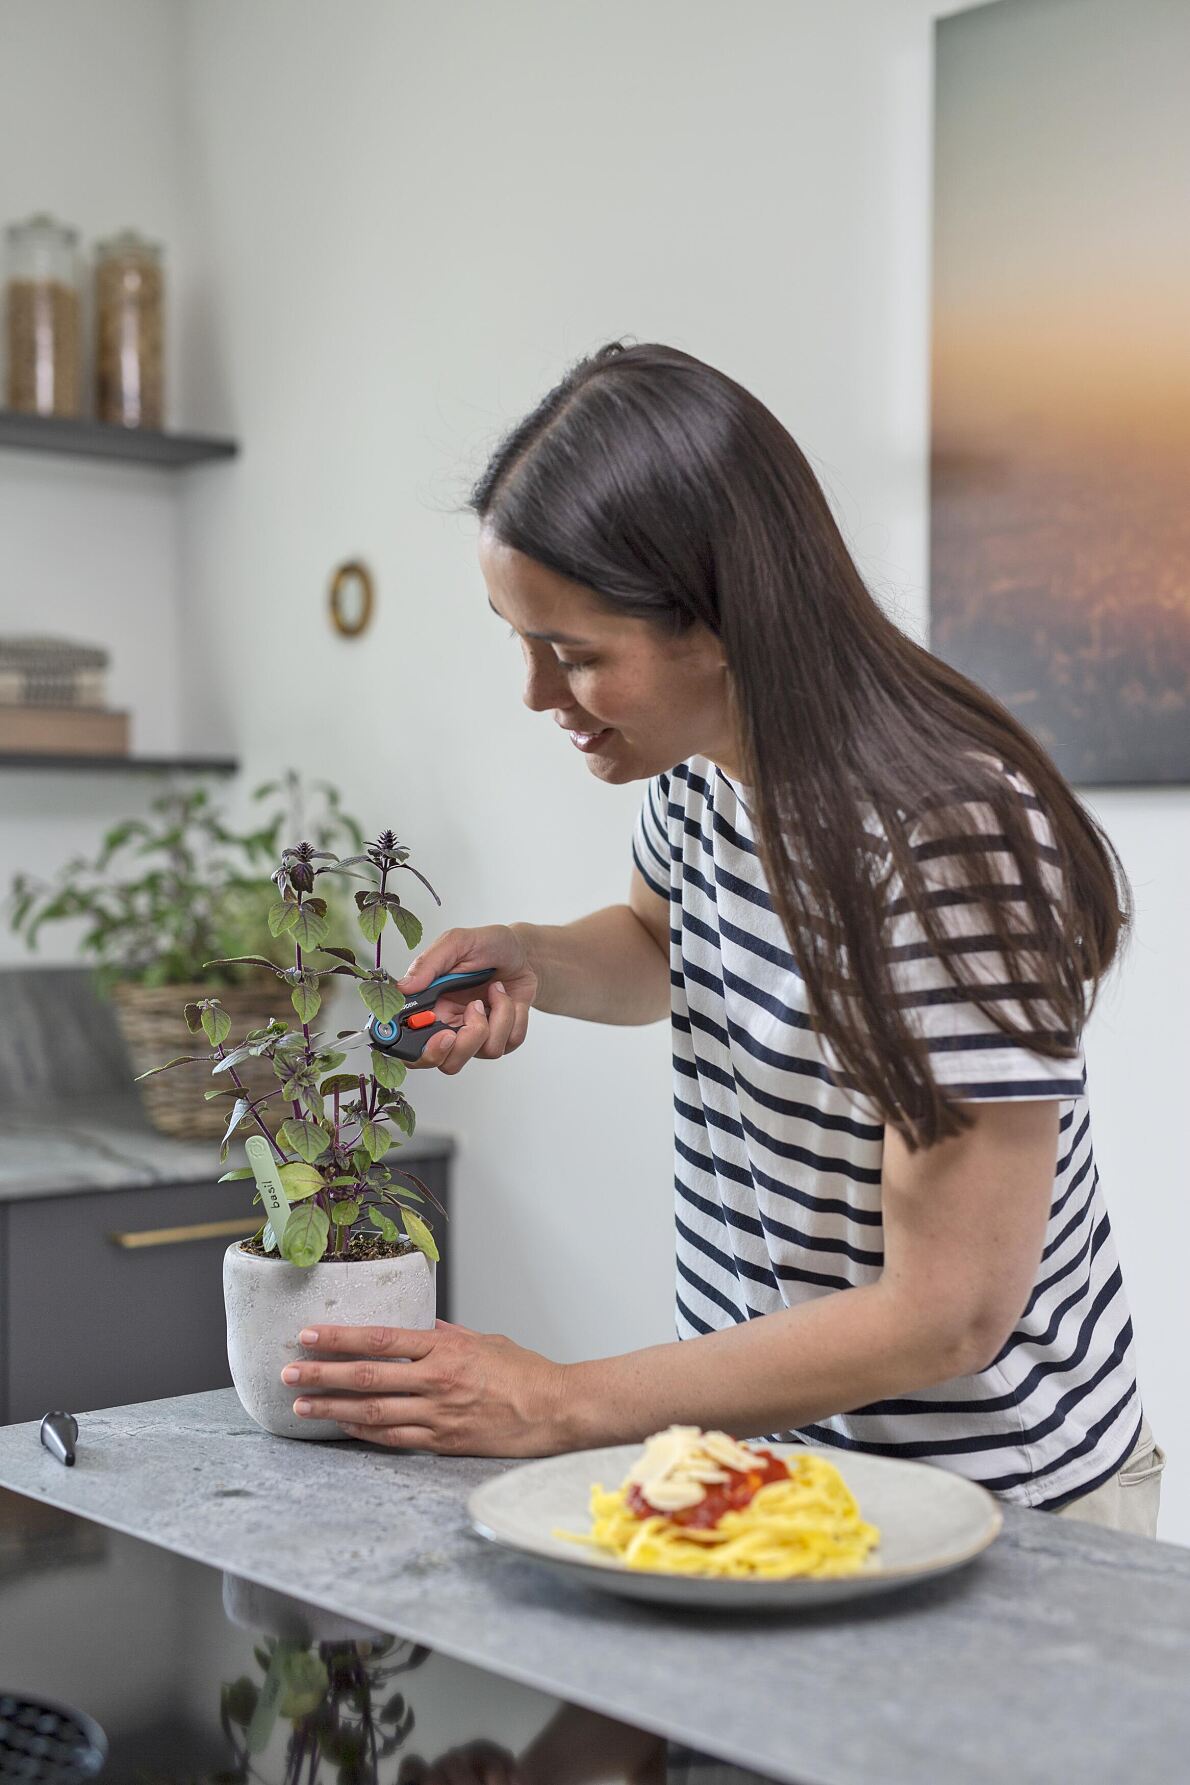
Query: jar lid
[(128, 245), (42, 224)]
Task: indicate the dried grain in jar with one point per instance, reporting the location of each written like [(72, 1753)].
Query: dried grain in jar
[(43, 323), (129, 332)]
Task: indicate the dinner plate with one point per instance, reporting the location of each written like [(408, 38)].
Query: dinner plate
[(930, 1521)]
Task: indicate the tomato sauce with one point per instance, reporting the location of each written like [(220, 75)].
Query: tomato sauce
[(720, 1497)]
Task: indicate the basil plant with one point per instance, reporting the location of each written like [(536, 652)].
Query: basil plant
[(346, 1107)]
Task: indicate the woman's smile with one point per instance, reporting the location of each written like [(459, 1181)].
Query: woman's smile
[(588, 740)]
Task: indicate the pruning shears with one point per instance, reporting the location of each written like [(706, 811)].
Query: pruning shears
[(406, 1034)]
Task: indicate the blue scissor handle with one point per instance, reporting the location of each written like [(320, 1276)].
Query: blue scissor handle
[(445, 982)]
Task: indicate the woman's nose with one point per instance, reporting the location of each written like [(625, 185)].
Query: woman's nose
[(542, 688)]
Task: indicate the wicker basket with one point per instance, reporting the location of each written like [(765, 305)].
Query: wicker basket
[(154, 1030)]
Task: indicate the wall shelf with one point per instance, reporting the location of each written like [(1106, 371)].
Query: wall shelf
[(100, 440), (149, 765)]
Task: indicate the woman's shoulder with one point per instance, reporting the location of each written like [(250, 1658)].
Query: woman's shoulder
[(974, 796)]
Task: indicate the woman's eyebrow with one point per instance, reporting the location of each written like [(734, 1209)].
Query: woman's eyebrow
[(551, 638)]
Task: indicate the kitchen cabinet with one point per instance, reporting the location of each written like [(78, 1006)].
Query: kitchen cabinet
[(113, 1296)]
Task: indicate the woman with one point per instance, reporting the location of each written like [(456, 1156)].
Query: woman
[(877, 917)]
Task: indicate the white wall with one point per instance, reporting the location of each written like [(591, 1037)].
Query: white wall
[(412, 218), (89, 99)]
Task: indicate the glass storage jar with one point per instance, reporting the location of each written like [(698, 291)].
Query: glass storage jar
[(129, 332), (44, 337)]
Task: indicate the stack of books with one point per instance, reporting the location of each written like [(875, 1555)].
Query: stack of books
[(52, 695)]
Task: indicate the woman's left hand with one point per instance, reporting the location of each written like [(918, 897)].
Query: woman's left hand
[(448, 1389)]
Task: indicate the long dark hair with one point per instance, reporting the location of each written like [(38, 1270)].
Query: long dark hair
[(674, 495)]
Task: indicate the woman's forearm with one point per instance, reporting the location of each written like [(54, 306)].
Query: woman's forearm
[(603, 968), (773, 1374)]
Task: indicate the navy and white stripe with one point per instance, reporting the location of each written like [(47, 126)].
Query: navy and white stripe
[(778, 1165)]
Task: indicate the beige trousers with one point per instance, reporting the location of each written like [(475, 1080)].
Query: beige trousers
[(1128, 1500)]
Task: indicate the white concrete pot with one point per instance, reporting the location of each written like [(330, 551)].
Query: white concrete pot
[(269, 1302)]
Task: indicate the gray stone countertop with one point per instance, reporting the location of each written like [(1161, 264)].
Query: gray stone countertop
[(1061, 1654), (102, 1142)]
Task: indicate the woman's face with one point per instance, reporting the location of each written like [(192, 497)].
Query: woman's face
[(632, 700)]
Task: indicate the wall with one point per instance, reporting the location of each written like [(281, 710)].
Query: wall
[(89, 97)]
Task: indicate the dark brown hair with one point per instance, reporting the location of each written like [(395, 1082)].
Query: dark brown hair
[(674, 495)]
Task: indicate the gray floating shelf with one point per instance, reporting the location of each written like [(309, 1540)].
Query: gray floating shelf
[(100, 440), (150, 765)]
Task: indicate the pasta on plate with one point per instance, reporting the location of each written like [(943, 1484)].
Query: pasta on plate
[(699, 1502)]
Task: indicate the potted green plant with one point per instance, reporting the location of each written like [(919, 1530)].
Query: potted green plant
[(354, 1249), (328, 1680), (165, 894)]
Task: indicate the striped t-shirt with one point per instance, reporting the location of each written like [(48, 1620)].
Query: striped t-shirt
[(778, 1168)]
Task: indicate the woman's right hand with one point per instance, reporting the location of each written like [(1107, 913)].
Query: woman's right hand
[(488, 1020)]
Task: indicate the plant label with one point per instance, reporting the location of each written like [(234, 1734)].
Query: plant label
[(268, 1182)]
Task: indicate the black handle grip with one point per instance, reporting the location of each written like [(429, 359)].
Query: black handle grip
[(446, 982)]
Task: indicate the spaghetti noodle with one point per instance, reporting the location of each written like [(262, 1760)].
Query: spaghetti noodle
[(700, 1503)]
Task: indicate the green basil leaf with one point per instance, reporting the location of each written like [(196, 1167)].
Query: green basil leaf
[(386, 1228), (305, 1685), (409, 926), (300, 1180), (245, 960), (387, 1070), (180, 1060), (375, 1140), (306, 1000), (229, 1060), (239, 1701), (404, 1115), (309, 928), (420, 1234), (282, 917), (340, 1082), (306, 1233), (303, 1137), (239, 1111), (381, 997), (371, 922)]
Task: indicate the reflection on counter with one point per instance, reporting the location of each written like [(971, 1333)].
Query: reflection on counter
[(197, 1676)]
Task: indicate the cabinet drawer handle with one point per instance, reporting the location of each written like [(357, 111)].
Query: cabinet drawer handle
[(179, 1236)]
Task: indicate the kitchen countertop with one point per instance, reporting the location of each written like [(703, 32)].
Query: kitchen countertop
[(102, 1142), (1062, 1653)]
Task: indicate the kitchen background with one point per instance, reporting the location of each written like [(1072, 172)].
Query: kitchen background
[(387, 229)]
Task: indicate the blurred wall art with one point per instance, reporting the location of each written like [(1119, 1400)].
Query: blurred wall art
[(1060, 470)]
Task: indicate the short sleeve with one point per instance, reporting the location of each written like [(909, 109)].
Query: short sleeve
[(971, 1056), (650, 839)]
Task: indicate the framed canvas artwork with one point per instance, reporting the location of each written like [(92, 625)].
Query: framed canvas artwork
[(1060, 389)]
